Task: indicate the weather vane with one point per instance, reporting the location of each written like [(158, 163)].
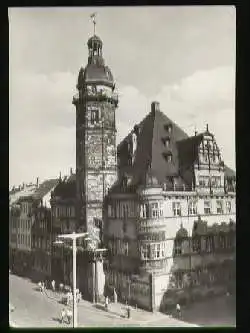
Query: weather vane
[(93, 17)]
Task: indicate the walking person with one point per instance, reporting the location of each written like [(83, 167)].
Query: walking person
[(53, 285), (106, 303), (69, 316), (178, 310), (63, 314), (61, 286), (128, 311), (115, 296)]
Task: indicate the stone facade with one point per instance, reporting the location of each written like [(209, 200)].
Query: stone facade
[(144, 215), (95, 103)]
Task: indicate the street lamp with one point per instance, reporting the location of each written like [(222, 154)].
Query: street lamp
[(73, 237)]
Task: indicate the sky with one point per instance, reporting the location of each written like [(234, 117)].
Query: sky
[(183, 57)]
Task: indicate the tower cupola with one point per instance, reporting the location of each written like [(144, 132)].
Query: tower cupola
[(95, 50)]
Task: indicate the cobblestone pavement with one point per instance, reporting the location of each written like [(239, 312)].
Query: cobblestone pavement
[(36, 309)]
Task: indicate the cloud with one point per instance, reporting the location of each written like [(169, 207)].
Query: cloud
[(42, 125), (205, 97), (42, 117)]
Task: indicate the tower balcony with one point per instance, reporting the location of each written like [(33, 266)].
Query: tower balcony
[(96, 96)]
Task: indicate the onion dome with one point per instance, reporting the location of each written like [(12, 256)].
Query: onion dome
[(98, 74), (94, 42)]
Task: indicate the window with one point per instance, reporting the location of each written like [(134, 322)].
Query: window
[(144, 213), (177, 247), (219, 205), (209, 243), (126, 248), (228, 207), (94, 116), (192, 208), (196, 244), (154, 209), (145, 251), (204, 181), (158, 250), (216, 181), (167, 142), (207, 207), (177, 208), (163, 249), (169, 157), (169, 128)]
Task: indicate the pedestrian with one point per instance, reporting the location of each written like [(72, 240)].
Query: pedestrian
[(69, 316), (61, 286), (43, 286), (40, 286), (128, 311), (178, 310), (106, 303), (63, 314), (53, 285), (115, 296)]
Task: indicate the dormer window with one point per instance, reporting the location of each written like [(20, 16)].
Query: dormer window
[(166, 142), (169, 128), (168, 157)]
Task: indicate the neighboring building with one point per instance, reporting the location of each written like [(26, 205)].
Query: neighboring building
[(96, 103), (25, 205), (166, 180), (63, 204)]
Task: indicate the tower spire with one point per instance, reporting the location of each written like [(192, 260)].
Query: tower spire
[(93, 17)]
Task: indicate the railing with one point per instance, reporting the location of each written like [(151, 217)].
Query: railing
[(97, 95), (177, 188)]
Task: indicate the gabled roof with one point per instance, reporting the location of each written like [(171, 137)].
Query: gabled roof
[(150, 157), (44, 188), (229, 173), (66, 189)]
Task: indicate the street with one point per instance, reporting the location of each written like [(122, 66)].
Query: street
[(36, 309)]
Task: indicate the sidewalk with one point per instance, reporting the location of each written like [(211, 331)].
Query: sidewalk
[(118, 312)]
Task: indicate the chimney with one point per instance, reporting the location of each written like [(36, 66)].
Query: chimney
[(71, 171), (155, 106), (207, 128), (37, 182), (23, 186)]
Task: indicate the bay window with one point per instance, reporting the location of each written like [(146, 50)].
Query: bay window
[(154, 210), (145, 251)]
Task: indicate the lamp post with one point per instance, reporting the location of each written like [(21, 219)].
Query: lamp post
[(73, 237)]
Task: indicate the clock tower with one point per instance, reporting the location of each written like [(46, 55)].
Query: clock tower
[(96, 166)]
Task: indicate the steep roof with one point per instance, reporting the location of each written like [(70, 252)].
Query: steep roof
[(229, 173), (66, 188), (44, 188), (151, 152)]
